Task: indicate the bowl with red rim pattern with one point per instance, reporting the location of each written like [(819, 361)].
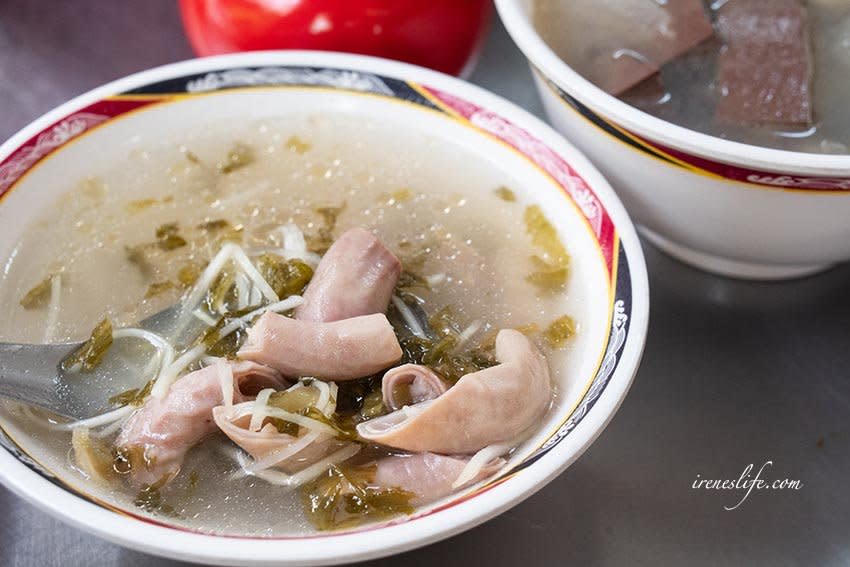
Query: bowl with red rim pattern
[(609, 270), (723, 206)]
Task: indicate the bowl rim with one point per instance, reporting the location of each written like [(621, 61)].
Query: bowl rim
[(192, 546), (518, 23)]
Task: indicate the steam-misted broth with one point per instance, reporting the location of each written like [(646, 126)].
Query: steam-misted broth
[(687, 91), (419, 194)]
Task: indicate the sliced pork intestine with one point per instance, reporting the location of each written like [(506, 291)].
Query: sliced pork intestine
[(268, 443), (427, 475), (422, 384), (355, 277), (166, 428), (340, 350), (490, 406)]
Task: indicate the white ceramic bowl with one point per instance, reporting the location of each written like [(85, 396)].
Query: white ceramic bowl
[(41, 162), (726, 207)]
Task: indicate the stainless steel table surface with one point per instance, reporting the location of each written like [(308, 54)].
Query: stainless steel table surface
[(734, 373)]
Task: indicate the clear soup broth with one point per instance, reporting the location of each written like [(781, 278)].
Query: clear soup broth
[(454, 218), (751, 80)]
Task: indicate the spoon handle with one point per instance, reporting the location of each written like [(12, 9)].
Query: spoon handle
[(28, 373)]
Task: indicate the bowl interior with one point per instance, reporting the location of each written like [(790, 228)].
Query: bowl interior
[(517, 16), (112, 125)]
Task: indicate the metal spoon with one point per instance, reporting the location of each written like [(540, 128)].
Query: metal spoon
[(33, 374)]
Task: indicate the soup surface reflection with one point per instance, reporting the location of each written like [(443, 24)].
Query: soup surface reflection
[(136, 237)]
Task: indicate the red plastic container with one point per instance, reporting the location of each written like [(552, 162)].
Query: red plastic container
[(441, 34)]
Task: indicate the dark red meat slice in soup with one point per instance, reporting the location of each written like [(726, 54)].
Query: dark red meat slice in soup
[(687, 27), (762, 21), (765, 69)]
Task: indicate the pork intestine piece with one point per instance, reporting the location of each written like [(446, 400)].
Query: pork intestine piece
[(427, 475), (268, 440), (166, 428), (341, 350), (420, 382), (490, 406), (355, 277), (338, 332)]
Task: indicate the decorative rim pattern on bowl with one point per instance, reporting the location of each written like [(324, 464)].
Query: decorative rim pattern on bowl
[(696, 164), (26, 152)]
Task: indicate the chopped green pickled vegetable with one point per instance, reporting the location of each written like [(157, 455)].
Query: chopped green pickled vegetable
[(453, 368), (488, 341), (373, 405), (238, 157), (232, 234), (135, 397), (295, 400), (342, 497), (401, 196), (124, 398), (413, 257), (330, 215), (158, 288), (226, 347), (550, 271), (414, 349), (92, 352), (443, 322), (140, 205), (439, 356), (286, 277), (324, 236), (187, 275), (352, 394), (229, 346), (214, 225), (150, 498), (92, 455), (167, 230), (284, 427), (560, 331), (345, 427), (410, 280), (297, 145), (544, 236), (547, 277), (440, 350), (39, 295), (220, 291), (222, 231), (302, 401), (167, 237), (138, 256), (127, 459), (505, 194)]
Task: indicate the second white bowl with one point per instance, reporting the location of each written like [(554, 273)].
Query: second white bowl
[(726, 207)]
